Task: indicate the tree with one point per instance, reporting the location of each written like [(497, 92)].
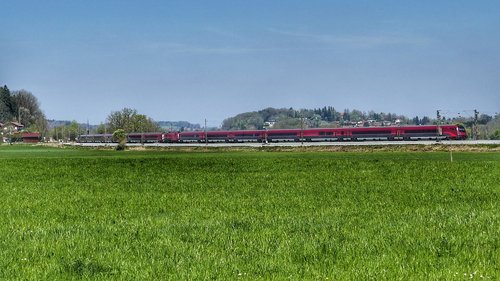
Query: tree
[(484, 119), (73, 130), (6, 108), (357, 115), (41, 125), (121, 136), (290, 123), (27, 111), (425, 120), (374, 116), (388, 117), (346, 116), (101, 129), (492, 128), (495, 135), (130, 121)]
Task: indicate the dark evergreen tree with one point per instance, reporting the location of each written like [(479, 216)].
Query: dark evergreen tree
[(347, 114), (6, 104)]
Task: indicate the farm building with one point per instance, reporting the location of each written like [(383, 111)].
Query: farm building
[(12, 127), (31, 137)]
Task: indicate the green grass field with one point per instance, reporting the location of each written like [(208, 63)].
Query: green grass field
[(167, 215)]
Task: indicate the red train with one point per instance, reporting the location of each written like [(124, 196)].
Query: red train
[(455, 132)]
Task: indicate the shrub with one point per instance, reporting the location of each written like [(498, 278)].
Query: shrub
[(495, 135), (121, 137)]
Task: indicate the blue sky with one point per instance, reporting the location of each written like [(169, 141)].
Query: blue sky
[(191, 60)]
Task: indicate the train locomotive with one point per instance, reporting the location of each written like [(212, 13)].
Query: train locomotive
[(392, 133)]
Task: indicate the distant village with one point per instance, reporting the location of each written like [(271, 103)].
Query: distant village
[(338, 124)]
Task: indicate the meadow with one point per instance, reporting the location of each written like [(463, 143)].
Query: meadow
[(249, 215)]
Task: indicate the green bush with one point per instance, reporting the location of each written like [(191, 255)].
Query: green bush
[(121, 137), (495, 135)]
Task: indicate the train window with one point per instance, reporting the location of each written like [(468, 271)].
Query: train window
[(370, 132), (282, 134), (321, 133), (420, 131)]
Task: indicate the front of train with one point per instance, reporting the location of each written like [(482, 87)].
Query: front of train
[(461, 132)]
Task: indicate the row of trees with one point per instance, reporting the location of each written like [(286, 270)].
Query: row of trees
[(127, 119), (22, 107), (329, 114), (66, 130)]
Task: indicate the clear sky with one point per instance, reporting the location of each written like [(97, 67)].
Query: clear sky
[(191, 60)]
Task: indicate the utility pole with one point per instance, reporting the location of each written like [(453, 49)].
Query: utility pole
[(206, 137), (438, 115), (475, 129), (302, 129)]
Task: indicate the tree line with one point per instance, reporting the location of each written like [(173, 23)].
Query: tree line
[(23, 107), (128, 120)]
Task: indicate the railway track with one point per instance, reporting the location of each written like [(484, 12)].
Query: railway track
[(299, 144)]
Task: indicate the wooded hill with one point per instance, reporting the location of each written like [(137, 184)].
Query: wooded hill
[(321, 117), (329, 117)]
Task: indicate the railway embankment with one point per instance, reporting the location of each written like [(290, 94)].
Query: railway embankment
[(419, 146)]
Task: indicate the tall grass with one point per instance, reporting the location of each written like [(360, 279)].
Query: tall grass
[(260, 215)]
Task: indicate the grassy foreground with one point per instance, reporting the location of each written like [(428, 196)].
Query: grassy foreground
[(156, 215)]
